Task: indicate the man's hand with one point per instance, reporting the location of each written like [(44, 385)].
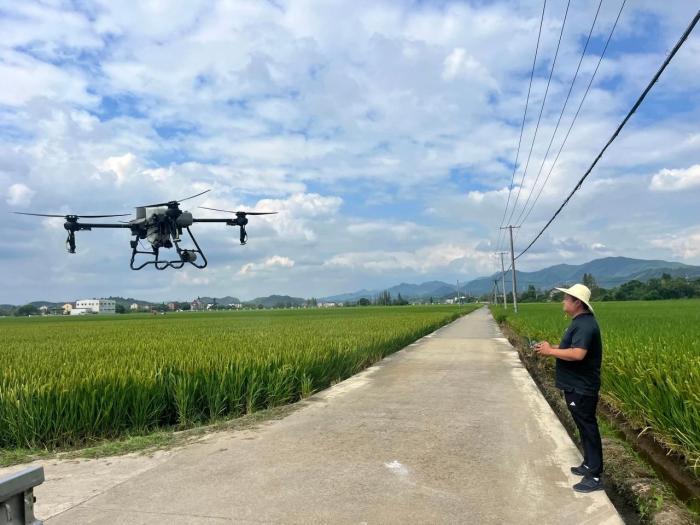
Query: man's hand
[(543, 348)]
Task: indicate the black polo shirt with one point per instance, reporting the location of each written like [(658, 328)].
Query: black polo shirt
[(583, 377)]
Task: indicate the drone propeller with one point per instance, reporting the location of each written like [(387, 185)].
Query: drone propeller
[(241, 212), (241, 219), (71, 224), (71, 215), (173, 203)]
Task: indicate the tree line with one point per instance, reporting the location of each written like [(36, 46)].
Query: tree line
[(664, 287), (382, 299)]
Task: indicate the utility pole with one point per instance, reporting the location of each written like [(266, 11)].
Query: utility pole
[(503, 280), (495, 291), (512, 265)]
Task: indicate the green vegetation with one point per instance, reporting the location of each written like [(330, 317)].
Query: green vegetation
[(665, 287), (651, 363), (66, 381), (163, 438)]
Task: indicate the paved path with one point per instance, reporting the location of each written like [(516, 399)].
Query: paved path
[(449, 430)]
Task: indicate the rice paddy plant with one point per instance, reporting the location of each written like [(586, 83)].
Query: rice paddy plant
[(67, 381), (651, 363)]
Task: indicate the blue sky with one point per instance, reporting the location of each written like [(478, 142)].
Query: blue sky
[(383, 132)]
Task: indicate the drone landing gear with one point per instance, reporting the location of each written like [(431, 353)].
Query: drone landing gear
[(70, 242), (186, 256)]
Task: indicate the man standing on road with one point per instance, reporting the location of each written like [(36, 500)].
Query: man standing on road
[(579, 356)]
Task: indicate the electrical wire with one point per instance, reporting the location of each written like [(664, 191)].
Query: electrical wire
[(561, 114), (573, 121), (631, 112), (539, 118), (522, 125)]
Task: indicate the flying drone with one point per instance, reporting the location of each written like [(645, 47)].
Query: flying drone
[(162, 225)]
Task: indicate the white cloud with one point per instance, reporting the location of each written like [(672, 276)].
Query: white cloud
[(435, 257), (19, 195), (122, 167), (306, 205), (685, 245), (296, 215), (159, 174), (33, 78), (676, 179), (388, 231), (267, 264), (50, 28), (189, 277), (459, 65)]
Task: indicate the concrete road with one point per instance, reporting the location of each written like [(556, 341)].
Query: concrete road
[(451, 429)]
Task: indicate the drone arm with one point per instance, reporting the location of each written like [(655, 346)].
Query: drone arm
[(238, 221), (229, 222), (73, 226)]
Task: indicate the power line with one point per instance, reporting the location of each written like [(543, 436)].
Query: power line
[(639, 101), (539, 118), (561, 114), (522, 126), (573, 121)]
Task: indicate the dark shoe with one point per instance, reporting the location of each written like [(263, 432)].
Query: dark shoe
[(581, 470), (589, 484)]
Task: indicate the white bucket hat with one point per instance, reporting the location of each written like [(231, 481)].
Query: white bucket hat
[(580, 292)]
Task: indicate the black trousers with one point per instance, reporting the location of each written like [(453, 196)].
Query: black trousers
[(582, 408)]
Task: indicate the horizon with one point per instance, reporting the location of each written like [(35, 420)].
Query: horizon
[(374, 290)]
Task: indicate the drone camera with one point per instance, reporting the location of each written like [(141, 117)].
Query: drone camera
[(188, 256)]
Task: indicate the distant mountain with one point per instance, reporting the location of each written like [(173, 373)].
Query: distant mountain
[(276, 300), (410, 291), (427, 289), (219, 300), (126, 302), (609, 272), (352, 296), (53, 304), (50, 304)]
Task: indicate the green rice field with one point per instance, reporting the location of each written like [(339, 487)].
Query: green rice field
[(651, 362), (65, 381)]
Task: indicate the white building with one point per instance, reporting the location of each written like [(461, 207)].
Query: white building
[(95, 306)]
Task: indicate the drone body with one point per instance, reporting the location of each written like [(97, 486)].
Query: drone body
[(162, 226)]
